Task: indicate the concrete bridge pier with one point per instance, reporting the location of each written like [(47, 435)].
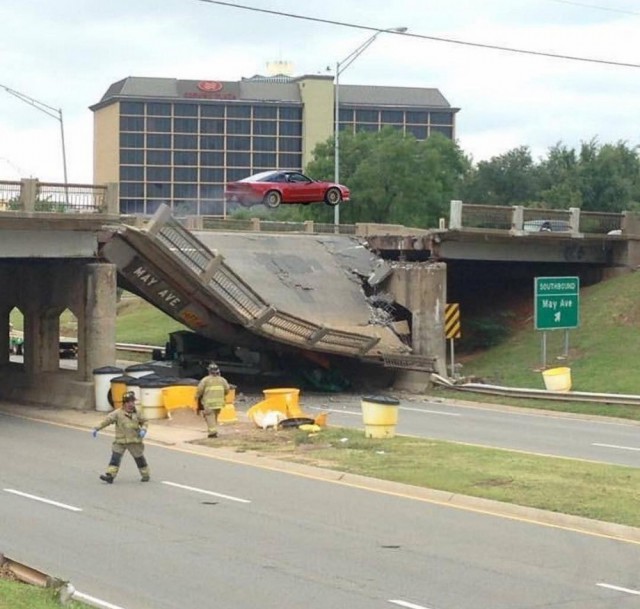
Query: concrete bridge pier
[(421, 287), (43, 290)]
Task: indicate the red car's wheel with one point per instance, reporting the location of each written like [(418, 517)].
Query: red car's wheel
[(332, 197), (272, 199)]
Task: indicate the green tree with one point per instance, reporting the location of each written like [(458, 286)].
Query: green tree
[(508, 179), (393, 178), (560, 178), (610, 176)]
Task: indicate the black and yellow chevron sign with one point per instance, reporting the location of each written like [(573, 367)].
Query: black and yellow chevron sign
[(452, 328)]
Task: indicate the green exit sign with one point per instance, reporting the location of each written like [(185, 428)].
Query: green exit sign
[(557, 303)]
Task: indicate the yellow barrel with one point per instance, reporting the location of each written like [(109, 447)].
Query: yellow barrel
[(118, 389), (181, 393), (228, 412), (285, 399), (380, 416), (557, 379)]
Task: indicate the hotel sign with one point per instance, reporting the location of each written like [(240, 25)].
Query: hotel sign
[(210, 89)]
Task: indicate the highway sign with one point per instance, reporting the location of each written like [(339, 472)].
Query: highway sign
[(452, 321), (557, 303)]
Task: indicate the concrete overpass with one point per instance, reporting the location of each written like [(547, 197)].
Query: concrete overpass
[(299, 292)]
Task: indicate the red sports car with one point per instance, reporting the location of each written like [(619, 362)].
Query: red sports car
[(275, 187)]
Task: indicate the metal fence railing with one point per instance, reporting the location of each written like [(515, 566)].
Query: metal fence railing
[(487, 217), (78, 198), (533, 219), (31, 195)]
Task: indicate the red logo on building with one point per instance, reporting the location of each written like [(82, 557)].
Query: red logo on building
[(210, 86)]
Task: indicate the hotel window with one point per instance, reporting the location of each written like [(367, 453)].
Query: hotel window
[(392, 117), (185, 158), (131, 157), (158, 190), (264, 159), (132, 189), (211, 142), (418, 131), (238, 159), (158, 174), (211, 126), (185, 174), (290, 128), (238, 143), (160, 125), (128, 173), (441, 118), (417, 117), (265, 144), (367, 116), (158, 157), (132, 140), (158, 141), (185, 125), (158, 109), (131, 123), (290, 144), (212, 158), (265, 128), (265, 112), (185, 191), (290, 114), (212, 111), (214, 174), (188, 142), (132, 108), (446, 131), (185, 110), (234, 111), (239, 127)]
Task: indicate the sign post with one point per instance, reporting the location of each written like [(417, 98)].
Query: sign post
[(557, 307)]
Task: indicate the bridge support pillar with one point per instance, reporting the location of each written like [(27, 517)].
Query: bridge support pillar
[(43, 291), (422, 289), (96, 312)]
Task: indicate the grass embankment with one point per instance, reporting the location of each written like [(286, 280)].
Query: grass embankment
[(603, 350), (16, 595), (602, 492)]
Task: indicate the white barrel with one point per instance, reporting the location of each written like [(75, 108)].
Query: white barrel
[(151, 399), (102, 385)]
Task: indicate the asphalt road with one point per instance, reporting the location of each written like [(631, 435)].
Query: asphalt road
[(558, 434), (208, 532)]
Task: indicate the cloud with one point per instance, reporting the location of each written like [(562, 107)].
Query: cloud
[(67, 53)]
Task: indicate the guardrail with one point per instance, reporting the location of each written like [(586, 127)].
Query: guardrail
[(31, 195), (518, 219)]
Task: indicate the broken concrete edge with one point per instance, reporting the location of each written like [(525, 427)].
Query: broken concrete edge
[(64, 589)]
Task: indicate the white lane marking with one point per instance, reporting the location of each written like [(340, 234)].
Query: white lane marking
[(93, 601), (49, 501), (616, 446), (358, 413), (203, 491), (619, 589), (446, 414), (408, 605)]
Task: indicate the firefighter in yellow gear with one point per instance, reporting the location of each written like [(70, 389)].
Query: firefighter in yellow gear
[(210, 395), (131, 428)]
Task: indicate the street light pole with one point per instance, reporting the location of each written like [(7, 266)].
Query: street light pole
[(341, 66), (48, 110)]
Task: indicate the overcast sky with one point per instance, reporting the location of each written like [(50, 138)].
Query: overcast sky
[(66, 53)]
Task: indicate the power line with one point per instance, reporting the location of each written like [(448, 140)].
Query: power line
[(424, 36), (597, 7)]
